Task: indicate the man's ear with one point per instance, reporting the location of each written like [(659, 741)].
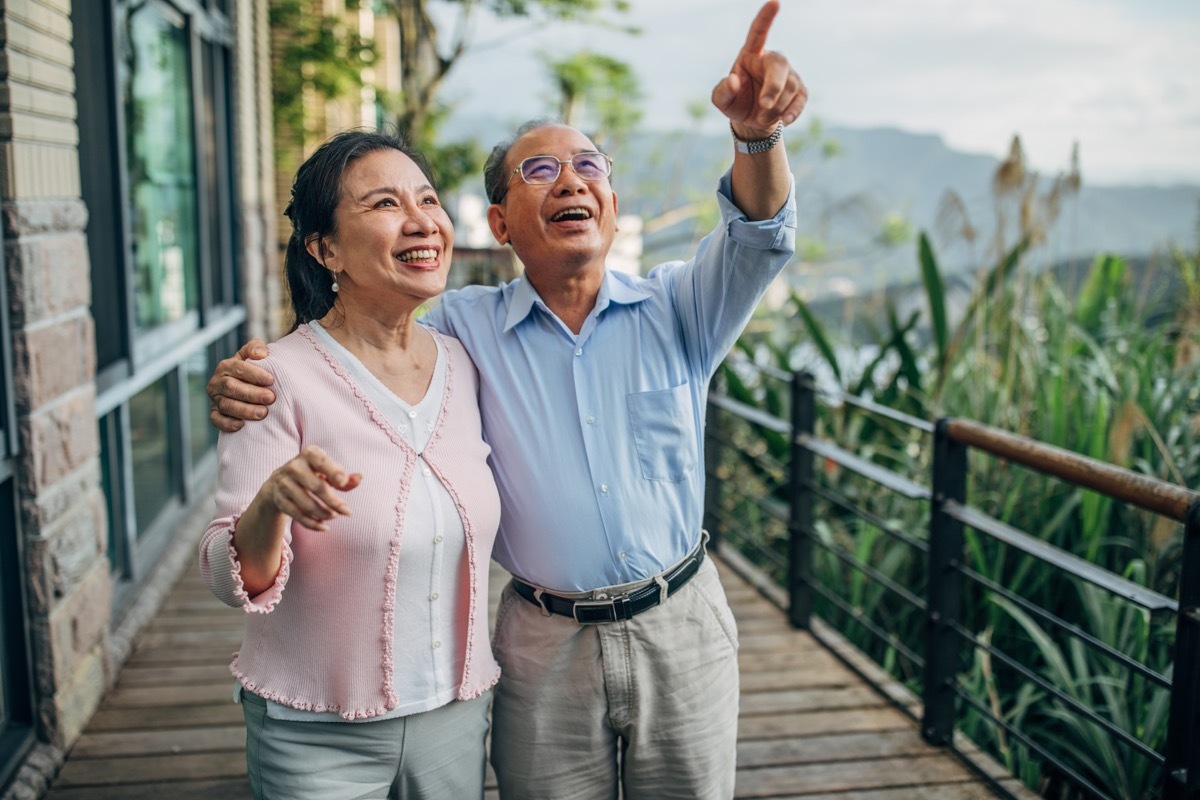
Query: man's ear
[(614, 197), (495, 215)]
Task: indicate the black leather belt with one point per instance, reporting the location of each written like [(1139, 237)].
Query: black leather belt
[(626, 606)]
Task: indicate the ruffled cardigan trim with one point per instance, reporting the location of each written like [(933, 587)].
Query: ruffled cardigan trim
[(274, 594)]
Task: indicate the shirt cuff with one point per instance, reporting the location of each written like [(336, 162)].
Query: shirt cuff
[(776, 233), (265, 601)]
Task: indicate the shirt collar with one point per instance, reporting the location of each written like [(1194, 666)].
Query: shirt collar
[(615, 288)]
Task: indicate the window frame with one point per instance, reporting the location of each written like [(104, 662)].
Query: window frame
[(16, 669), (135, 358)]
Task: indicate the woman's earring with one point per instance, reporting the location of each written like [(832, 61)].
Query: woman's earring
[(335, 286)]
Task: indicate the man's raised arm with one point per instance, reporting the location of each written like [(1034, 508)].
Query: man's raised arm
[(238, 390), (761, 94)]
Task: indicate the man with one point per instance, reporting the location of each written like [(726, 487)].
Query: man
[(617, 646)]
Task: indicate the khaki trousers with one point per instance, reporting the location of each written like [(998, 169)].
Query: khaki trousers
[(648, 704)]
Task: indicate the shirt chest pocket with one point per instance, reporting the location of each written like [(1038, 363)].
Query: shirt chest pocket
[(663, 431)]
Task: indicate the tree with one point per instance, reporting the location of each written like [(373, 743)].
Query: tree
[(426, 59), (312, 53), (596, 92)]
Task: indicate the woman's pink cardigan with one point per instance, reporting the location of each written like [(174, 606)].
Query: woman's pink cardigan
[(320, 638)]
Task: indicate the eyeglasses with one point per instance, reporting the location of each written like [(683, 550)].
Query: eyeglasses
[(541, 170)]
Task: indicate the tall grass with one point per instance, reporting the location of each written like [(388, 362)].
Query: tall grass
[(1082, 369)]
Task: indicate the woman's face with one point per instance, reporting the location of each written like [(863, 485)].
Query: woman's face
[(393, 239)]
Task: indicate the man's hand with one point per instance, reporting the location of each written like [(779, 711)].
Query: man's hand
[(761, 88), (236, 389)]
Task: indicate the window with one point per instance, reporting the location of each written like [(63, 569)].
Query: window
[(159, 150), (156, 156)]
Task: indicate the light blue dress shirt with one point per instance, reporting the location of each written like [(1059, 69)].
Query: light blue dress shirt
[(596, 437)]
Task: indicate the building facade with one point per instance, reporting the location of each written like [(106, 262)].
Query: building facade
[(139, 220)]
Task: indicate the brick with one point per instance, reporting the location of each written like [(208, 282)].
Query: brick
[(64, 715), (39, 171), (23, 217), (22, 38), (15, 125), (79, 624), (55, 503), (24, 69), (50, 276), (63, 6), (36, 100), (58, 440), (40, 16), (65, 552), (52, 360)]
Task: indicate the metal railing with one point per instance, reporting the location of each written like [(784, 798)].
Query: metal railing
[(774, 486)]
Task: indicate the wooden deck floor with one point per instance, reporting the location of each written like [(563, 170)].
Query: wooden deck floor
[(809, 726)]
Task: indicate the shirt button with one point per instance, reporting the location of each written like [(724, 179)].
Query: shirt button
[(591, 420), (624, 555), (412, 415), (436, 645), (437, 540), (433, 596), (427, 471), (604, 488), (579, 352)]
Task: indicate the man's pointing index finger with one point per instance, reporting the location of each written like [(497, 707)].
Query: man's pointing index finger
[(756, 39)]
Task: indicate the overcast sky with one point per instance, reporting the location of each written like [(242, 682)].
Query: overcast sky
[(1121, 77)]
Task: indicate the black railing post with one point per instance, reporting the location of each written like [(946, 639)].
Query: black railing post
[(800, 522), (712, 482), (944, 588), (1181, 773)]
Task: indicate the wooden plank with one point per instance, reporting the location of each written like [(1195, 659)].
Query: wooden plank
[(99, 744), (851, 776), (165, 656), (176, 695), (824, 699), (153, 640), (776, 726), (141, 719), (946, 791), (134, 676), (810, 660), (828, 748), (768, 680), (236, 789), (150, 769), (809, 727)]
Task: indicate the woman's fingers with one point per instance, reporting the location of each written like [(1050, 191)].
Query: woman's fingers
[(308, 488)]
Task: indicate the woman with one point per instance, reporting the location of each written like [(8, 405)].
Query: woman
[(366, 667)]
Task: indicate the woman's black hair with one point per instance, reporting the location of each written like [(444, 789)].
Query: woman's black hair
[(316, 192)]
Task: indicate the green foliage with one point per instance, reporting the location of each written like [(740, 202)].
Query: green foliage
[(1085, 373), (313, 53), (596, 93)]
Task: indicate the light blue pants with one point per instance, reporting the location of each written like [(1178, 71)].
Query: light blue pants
[(434, 755)]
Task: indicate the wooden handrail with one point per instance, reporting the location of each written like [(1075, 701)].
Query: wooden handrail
[(1143, 491)]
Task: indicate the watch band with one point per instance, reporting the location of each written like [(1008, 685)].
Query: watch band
[(755, 146)]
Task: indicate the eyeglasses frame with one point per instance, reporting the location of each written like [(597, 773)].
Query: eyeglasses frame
[(517, 170)]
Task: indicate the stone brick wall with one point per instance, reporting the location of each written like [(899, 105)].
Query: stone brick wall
[(62, 515), (61, 505)]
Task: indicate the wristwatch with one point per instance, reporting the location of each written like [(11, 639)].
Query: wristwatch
[(754, 146)]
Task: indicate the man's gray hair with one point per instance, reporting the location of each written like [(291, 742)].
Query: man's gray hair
[(495, 177)]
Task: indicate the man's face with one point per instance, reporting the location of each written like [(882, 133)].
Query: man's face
[(565, 224)]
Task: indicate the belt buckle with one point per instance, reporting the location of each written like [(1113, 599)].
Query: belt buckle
[(616, 608)]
